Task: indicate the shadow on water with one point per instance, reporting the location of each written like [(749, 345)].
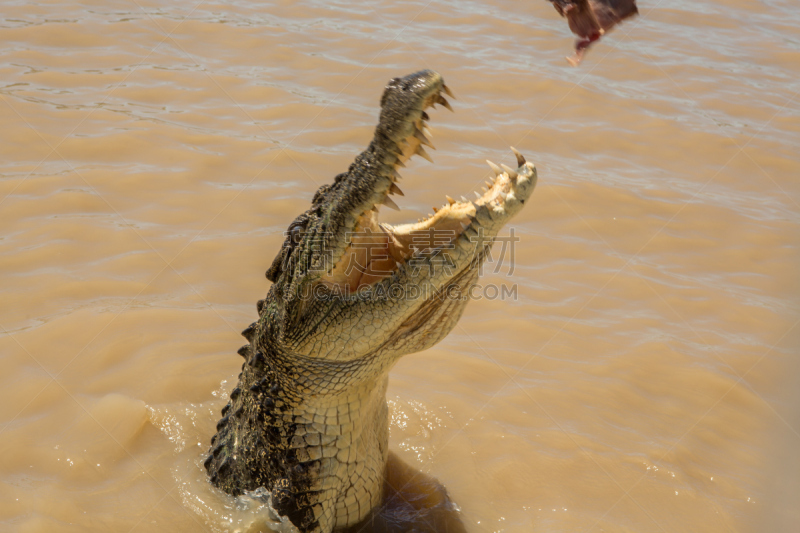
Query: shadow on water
[(414, 502)]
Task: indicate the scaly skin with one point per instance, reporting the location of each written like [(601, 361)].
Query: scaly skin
[(308, 419)]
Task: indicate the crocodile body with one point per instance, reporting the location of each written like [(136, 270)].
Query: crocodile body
[(308, 419)]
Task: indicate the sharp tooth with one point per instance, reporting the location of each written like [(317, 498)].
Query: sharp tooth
[(424, 140), (429, 216), (398, 264), (449, 200), (440, 100), (464, 200), (394, 189), (400, 163), (449, 92), (484, 189), (478, 196), (388, 202), (464, 225), (421, 151), (488, 184), (435, 209), (495, 168), (510, 171), (425, 116), (520, 158), (427, 131), (396, 175)]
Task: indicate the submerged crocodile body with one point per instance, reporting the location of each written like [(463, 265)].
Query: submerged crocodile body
[(308, 419)]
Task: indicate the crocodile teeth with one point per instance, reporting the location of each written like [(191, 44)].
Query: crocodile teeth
[(424, 140), (478, 196), (449, 92), (427, 131), (520, 158), (510, 171), (394, 189), (484, 189), (388, 202), (464, 226), (464, 200), (421, 152), (400, 164), (440, 100), (497, 170), (449, 200), (435, 209), (425, 116), (488, 184)]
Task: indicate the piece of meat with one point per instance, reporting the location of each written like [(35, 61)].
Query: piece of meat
[(590, 19)]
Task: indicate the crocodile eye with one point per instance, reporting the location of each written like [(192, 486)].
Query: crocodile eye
[(296, 235)]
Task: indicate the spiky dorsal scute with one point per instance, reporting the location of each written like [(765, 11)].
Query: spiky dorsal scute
[(293, 237)]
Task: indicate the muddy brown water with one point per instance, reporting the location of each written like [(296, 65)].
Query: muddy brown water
[(641, 376)]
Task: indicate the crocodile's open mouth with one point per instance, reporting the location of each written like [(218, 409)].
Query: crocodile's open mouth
[(376, 250)]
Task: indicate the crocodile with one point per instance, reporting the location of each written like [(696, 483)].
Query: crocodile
[(350, 295)]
